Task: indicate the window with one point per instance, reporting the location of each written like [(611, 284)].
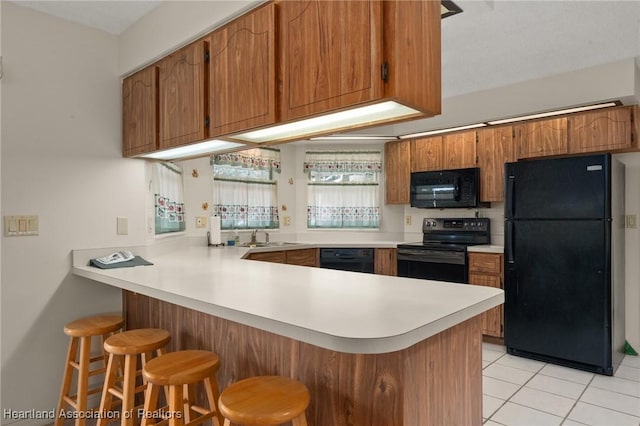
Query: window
[(168, 196), (343, 189), (246, 190)]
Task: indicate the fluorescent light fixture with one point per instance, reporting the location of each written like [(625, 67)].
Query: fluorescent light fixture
[(354, 138), (202, 148), (552, 113), (437, 132), (384, 111), (448, 8)]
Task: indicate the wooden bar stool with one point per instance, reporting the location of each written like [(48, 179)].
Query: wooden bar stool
[(179, 372), (81, 332), (124, 349), (265, 401)]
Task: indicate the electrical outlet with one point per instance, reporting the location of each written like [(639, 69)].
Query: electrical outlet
[(408, 220), (631, 221), (201, 222), (287, 220)]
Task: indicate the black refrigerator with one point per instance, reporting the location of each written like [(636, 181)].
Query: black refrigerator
[(564, 261)]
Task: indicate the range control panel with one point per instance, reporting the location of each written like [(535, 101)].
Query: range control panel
[(456, 225)]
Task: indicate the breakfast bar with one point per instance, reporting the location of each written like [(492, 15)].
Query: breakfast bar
[(372, 349)]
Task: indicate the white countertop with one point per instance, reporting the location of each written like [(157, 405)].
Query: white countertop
[(487, 248), (337, 310)]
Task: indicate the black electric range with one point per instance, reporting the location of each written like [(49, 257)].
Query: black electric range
[(442, 253)]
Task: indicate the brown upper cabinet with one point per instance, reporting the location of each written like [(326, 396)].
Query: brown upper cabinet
[(140, 112), (455, 151), (459, 150), (542, 138), (183, 110), (397, 157), (242, 73), (495, 147), (605, 130), (426, 154), (336, 54)]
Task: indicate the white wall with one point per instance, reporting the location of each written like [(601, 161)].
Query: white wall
[(61, 160), (171, 25)]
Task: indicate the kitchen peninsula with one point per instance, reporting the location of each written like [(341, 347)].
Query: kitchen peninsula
[(373, 349)]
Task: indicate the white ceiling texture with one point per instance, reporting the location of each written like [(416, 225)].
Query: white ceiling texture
[(491, 44)]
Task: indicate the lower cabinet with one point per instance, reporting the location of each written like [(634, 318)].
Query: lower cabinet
[(385, 261), (486, 269), (302, 257)]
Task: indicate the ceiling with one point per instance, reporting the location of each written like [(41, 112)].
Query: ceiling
[(491, 44)]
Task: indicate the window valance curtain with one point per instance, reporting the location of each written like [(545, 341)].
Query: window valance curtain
[(343, 161), (256, 159)]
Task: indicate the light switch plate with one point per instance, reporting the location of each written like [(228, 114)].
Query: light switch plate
[(21, 226), (631, 221), (122, 226)]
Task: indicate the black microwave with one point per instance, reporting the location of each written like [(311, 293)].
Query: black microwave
[(446, 189)]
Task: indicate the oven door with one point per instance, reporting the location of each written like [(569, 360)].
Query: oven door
[(433, 264)]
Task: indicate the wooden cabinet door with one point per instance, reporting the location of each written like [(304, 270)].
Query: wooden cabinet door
[(606, 130), (397, 172), (303, 257), (541, 138), (242, 73), (182, 96), (330, 55), (140, 112), (491, 319), (486, 269), (495, 148), (426, 154), (269, 256), (459, 150), (385, 261)]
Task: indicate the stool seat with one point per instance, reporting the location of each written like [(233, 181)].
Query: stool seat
[(137, 341), (94, 326), (181, 368), (180, 373), (264, 400)]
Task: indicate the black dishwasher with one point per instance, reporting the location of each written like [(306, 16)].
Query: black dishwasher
[(347, 259)]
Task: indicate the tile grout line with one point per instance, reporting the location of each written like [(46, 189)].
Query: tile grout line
[(575, 403)]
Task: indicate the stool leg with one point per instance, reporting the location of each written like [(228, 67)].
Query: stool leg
[(83, 379), (129, 390), (211, 387), (150, 405), (66, 378), (189, 400), (176, 401), (109, 382), (301, 420)]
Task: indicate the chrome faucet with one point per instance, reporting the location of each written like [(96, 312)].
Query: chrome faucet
[(254, 240)]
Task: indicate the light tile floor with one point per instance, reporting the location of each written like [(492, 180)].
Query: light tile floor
[(523, 392)]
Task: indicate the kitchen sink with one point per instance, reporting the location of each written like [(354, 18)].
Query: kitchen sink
[(269, 244)]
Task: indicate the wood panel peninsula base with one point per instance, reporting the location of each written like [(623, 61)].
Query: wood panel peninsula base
[(437, 381)]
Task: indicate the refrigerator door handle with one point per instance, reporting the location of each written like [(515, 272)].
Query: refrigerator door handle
[(510, 247), (511, 181)]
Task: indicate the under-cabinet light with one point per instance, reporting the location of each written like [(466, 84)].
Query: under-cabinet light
[(370, 114), (552, 113), (437, 132), (353, 138), (202, 148)]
